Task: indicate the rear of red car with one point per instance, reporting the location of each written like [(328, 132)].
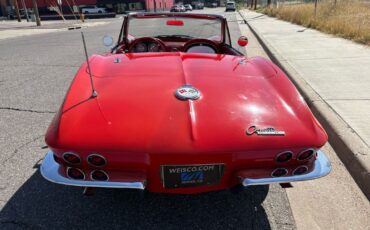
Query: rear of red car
[(247, 125)]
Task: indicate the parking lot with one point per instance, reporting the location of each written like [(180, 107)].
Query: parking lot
[(35, 74)]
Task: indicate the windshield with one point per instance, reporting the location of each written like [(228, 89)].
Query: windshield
[(184, 27)]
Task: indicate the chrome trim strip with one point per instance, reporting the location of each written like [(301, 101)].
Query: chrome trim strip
[(50, 171), (322, 168)]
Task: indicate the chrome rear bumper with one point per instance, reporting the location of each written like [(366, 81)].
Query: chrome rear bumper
[(322, 168), (50, 171)]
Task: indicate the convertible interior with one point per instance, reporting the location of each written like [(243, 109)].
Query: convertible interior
[(175, 32)]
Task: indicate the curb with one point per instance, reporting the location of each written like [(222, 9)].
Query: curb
[(350, 148)]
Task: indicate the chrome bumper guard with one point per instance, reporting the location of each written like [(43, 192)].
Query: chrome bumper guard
[(50, 171), (322, 168)]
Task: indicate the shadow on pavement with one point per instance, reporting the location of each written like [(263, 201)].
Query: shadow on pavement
[(39, 204)]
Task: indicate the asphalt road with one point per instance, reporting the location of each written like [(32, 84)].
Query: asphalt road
[(34, 76)]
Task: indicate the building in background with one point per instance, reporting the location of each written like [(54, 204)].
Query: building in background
[(158, 5), (120, 6), (68, 6), (49, 6)]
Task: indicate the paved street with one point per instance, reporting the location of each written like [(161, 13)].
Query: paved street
[(35, 74)]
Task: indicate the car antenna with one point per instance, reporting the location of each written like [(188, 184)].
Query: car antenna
[(94, 93)]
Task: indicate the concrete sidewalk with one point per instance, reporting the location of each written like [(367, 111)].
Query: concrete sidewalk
[(13, 24), (333, 75), (11, 29)]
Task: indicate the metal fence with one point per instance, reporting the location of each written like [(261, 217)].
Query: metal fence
[(278, 2), (292, 2)]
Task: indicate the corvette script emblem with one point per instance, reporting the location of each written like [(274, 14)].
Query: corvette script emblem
[(264, 132), (187, 92)]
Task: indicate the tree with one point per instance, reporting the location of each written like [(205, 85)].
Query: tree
[(17, 10)]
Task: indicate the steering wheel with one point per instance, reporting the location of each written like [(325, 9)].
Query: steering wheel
[(162, 46), (201, 42)]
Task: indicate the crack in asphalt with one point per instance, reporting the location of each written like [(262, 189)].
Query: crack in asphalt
[(20, 147), (285, 224), (27, 110), (41, 64)]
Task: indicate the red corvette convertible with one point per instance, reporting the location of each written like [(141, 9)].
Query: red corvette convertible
[(174, 108)]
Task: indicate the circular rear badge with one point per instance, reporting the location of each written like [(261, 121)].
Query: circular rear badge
[(187, 92)]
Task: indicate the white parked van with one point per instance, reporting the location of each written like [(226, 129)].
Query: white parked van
[(230, 6)]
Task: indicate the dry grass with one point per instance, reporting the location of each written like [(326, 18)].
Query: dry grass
[(348, 18)]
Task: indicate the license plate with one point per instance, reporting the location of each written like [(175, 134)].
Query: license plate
[(178, 176)]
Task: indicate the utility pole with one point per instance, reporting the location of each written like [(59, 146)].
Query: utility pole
[(17, 10), (36, 12)]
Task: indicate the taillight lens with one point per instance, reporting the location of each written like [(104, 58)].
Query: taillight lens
[(279, 172), (96, 160), (284, 157), (306, 154), (71, 158), (99, 175), (75, 173), (300, 170)]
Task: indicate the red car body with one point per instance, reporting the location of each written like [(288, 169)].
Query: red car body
[(138, 125)]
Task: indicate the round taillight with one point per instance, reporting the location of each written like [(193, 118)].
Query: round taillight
[(71, 158), (96, 160), (75, 173), (306, 154), (99, 175), (284, 157), (279, 172), (300, 170)]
